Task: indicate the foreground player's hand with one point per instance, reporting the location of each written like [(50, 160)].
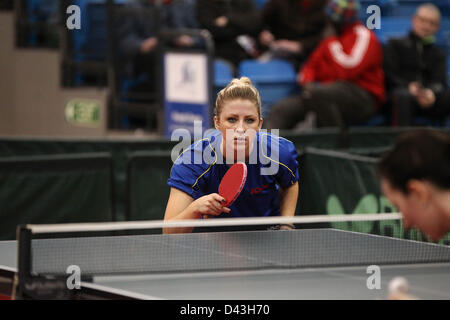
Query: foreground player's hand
[(210, 205), (398, 289)]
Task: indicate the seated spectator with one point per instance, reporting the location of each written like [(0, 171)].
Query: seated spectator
[(138, 35), (292, 29), (182, 14), (343, 79), (137, 42), (416, 72), (233, 25)]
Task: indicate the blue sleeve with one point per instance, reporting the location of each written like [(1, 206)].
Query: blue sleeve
[(288, 171), (186, 172)]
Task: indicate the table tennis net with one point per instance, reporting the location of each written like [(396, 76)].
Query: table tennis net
[(127, 248)]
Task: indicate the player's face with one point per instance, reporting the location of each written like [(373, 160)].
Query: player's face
[(425, 23), (418, 209), (238, 121)]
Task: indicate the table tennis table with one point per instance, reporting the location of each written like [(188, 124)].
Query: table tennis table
[(253, 265)]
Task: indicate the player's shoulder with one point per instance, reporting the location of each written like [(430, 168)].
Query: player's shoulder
[(202, 151), (276, 147), (270, 141)]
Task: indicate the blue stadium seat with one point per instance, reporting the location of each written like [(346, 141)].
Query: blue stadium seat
[(260, 3), (275, 79), (448, 71), (443, 37), (40, 11), (407, 8), (223, 74), (90, 42), (387, 7), (393, 27), (377, 120)]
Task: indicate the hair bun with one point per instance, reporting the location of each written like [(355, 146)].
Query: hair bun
[(241, 81)]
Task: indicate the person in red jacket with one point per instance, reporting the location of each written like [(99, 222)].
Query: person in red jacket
[(343, 79)]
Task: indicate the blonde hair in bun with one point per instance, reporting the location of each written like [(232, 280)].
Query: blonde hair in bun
[(241, 88)]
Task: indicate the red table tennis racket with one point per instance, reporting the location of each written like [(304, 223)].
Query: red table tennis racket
[(232, 183)]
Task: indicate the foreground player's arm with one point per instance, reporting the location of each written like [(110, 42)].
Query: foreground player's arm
[(288, 200), (182, 206)]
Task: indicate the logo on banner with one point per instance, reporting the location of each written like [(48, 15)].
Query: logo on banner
[(186, 78)]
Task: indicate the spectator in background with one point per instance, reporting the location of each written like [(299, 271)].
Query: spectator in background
[(138, 34), (233, 25), (181, 14), (137, 42), (292, 29), (416, 72), (343, 79)]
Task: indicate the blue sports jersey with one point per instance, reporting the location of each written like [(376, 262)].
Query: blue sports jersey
[(273, 161)]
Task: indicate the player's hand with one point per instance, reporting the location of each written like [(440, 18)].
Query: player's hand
[(210, 204)]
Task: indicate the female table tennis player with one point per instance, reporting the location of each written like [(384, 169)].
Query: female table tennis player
[(415, 176), (237, 120)]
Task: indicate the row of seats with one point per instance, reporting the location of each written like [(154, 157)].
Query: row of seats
[(389, 7), (274, 79), (90, 42), (402, 8)]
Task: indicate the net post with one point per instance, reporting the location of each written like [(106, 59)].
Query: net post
[(23, 261)]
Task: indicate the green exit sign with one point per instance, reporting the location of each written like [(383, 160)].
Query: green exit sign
[(83, 112)]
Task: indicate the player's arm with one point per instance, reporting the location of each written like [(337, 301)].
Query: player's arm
[(288, 200), (182, 206)]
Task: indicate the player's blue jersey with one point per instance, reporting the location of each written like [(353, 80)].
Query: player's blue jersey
[(272, 163)]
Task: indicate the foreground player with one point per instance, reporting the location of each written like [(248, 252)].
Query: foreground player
[(197, 173), (415, 176)]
